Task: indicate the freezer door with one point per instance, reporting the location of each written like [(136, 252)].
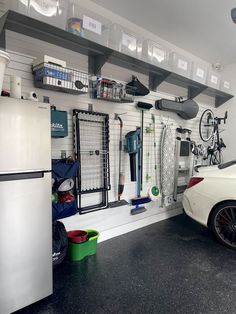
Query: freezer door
[(25, 241), (25, 135)]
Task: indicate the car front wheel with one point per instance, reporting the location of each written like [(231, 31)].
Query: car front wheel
[(223, 223)]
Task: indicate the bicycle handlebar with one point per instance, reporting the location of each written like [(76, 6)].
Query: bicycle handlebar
[(218, 120)]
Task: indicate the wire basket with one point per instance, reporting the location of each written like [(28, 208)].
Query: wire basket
[(110, 90), (54, 77)]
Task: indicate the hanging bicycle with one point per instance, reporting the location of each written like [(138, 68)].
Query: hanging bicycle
[(209, 130)]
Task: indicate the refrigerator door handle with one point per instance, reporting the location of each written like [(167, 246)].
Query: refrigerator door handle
[(22, 176)]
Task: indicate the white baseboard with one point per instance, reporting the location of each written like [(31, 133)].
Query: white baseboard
[(114, 232)]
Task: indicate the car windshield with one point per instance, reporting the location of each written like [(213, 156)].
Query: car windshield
[(227, 164)]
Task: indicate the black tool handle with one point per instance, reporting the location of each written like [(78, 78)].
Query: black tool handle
[(142, 123), (133, 171)]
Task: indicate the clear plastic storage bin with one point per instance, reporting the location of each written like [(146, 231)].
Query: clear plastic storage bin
[(181, 64), (52, 12), (126, 41), (213, 79), (87, 24), (199, 72), (155, 54), (225, 85), (16, 5)]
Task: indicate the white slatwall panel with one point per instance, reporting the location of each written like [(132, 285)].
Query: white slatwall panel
[(23, 51)]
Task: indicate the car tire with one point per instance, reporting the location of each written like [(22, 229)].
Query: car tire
[(223, 223)]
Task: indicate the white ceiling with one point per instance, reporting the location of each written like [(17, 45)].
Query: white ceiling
[(202, 27)]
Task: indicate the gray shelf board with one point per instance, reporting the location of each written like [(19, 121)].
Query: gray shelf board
[(134, 64), (99, 55), (220, 96), (34, 28), (182, 81)]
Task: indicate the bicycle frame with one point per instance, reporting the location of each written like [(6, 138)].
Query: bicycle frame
[(214, 151)]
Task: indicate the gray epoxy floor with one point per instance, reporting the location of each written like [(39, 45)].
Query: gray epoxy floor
[(173, 266)]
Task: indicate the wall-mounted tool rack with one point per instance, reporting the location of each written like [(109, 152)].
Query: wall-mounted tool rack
[(98, 55), (91, 145)]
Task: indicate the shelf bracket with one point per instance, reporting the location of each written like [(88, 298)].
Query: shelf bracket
[(220, 100), (195, 91), (156, 79), (96, 62), (3, 31)]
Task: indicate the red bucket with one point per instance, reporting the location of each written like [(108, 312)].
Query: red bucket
[(77, 236)]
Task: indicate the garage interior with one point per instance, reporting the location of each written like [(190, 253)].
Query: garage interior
[(117, 151)]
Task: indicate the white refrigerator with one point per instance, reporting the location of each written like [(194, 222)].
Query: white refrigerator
[(25, 203)]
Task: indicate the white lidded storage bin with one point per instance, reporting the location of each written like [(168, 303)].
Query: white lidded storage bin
[(87, 24), (155, 54), (180, 64), (213, 79), (225, 85), (126, 41), (199, 72), (52, 12)]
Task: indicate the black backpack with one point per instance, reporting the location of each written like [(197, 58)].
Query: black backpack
[(59, 242)]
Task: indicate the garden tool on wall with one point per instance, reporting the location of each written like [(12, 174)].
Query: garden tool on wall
[(149, 133), (154, 192), (142, 106), (121, 182), (133, 144)]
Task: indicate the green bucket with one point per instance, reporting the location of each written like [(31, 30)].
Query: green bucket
[(78, 251)]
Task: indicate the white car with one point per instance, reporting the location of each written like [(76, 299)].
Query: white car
[(210, 199)]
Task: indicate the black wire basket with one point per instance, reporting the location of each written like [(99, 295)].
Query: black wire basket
[(54, 77), (111, 90)]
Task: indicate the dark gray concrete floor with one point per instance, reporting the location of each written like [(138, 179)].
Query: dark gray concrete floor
[(173, 266)]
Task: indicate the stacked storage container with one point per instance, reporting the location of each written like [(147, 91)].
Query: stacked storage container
[(156, 54), (126, 41), (53, 12), (199, 72), (87, 24), (181, 64)]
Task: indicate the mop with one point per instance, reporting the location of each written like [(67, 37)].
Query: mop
[(121, 182)]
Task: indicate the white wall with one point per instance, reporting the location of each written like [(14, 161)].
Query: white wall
[(229, 128), (109, 222)]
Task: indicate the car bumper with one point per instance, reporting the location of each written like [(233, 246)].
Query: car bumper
[(197, 206)]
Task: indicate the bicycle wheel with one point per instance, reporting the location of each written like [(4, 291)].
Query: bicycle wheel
[(206, 125), (216, 158)]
